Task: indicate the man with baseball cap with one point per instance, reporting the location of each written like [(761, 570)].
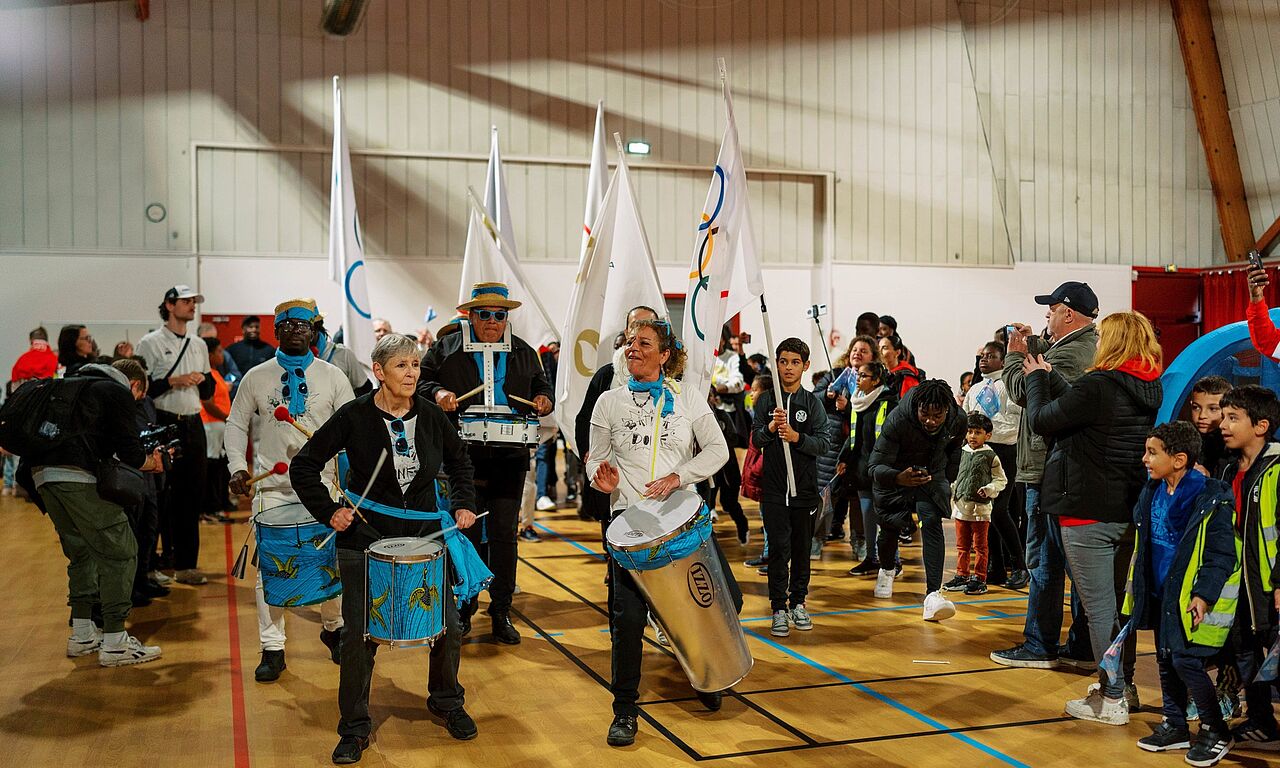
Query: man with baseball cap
[(1073, 339), (178, 363)]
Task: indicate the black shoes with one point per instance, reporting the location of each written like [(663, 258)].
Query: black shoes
[(837, 534), (349, 750), (269, 670), (867, 567), (153, 589), (1209, 748), (1166, 737), (1018, 580), (1019, 656), (140, 600), (503, 631), (333, 641), (711, 701), (464, 620), (456, 721), (622, 731)]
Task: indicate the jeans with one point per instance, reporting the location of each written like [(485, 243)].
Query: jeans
[(1183, 676), (443, 689), (934, 543), (791, 529), (100, 548), (867, 503), (1099, 555), (1048, 569), (545, 468), (10, 470)]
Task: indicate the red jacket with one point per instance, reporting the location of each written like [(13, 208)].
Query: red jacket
[(39, 362), (1262, 332), (753, 473)]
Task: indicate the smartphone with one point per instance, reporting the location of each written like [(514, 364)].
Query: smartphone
[(1010, 331), (1255, 259), (920, 470)]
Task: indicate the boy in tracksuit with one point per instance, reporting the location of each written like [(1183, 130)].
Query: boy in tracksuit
[(1249, 415), (795, 420), (1184, 582)]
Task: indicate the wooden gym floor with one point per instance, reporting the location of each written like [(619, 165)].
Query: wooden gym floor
[(846, 693)]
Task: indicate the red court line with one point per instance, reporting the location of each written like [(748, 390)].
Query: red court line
[(240, 733)]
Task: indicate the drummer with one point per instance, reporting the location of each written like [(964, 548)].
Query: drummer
[(449, 371), (626, 462), (313, 390), (412, 438)]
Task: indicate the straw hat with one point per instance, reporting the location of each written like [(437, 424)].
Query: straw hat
[(489, 295)]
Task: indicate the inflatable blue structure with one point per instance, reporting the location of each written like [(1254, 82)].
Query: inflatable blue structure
[(1214, 354)]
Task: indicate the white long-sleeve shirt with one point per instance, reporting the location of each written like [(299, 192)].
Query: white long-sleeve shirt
[(1008, 414), (259, 395), (623, 427)]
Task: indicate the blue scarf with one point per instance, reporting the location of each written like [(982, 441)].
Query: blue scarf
[(499, 372), (656, 390), (295, 368), (474, 576), (322, 343)]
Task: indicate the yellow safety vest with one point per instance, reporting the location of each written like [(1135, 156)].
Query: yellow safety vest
[(853, 422), (1267, 531)]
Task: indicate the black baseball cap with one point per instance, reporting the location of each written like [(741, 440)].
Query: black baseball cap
[(1078, 296)]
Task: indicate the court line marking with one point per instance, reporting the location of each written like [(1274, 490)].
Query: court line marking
[(240, 735), (567, 540)]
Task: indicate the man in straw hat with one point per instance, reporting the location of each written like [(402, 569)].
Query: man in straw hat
[(312, 390), (449, 372)]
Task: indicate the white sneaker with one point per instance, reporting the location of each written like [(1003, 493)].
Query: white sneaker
[(937, 607), (77, 647), (8, 491), (544, 504), (657, 631), (1099, 709), (1130, 697), (161, 578), (132, 652), (884, 584)]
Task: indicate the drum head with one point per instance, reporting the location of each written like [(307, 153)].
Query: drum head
[(406, 548), (284, 515), (651, 520)]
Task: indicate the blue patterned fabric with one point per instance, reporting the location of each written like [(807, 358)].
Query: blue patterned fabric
[(294, 572), (668, 552), (474, 576), (405, 605), (295, 371)]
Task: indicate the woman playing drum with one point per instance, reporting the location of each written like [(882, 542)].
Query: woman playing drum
[(642, 446), (416, 438)]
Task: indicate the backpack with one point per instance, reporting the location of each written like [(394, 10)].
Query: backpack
[(41, 415)]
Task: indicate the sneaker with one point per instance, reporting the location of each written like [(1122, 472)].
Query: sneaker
[(191, 576), (349, 750), (781, 627), (859, 546), (937, 607), (744, 536), (756, 562), (815, 549), (456, 721), (905, 537), (763, 570), (1019, 656), (571, 494), (132, 651), (1165, 738), (544, 504), (528, 534), (865, 568), (1099, 709), (976, 587), (1209, 748), (1249, 736), (160, 577), (77, 647), (659, 635), (801, 618), (622, 731), (897, 568), (957, 584), (1018, 580), (837, 534), (1130, 694), (884, 584), (1076, 662)]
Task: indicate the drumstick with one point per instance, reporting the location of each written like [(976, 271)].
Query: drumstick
[(443, 531), (520, 399), (382, 458), (282, 414), (475, 391), (279, 469)]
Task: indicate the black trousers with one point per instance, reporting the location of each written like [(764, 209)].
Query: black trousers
[(182, 502), (790, 529), (728, 486), (1183, 677), (1004, 542), (628, 614), (932, 539), (144, 519), (443, 689), (1250, 649), (499, 489)]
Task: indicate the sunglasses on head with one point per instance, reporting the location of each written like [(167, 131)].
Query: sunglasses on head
[(492, 314), (284, 379), (402, 443)]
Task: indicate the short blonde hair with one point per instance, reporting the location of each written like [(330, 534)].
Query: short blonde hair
[(1125, 336)]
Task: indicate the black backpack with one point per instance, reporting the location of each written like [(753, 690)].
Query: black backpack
[(41, 415)]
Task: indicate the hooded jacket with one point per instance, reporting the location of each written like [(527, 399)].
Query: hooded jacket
[(1096, 430), (905, 443), (108, 415)]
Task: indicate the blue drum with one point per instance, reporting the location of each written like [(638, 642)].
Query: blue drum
[(293, 571), (404, 603)]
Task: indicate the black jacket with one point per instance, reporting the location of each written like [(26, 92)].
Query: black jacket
[(857, 449), (837, 430), (359, 428), (108, 414), (446, 366), (247, 354), (809, 418), (601, 382), (904, 443), (1096, 430)]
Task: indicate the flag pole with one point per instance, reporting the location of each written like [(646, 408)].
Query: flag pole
[(506, 250), (777, 394)]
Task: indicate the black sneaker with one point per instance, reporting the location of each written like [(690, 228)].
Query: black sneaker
[(503, 631), (456, 721), (1209, 748), (976, 587), (905, 537), (622, 731), (1018, 580), (897, 568), (837, 534), (956, 585), (349, 749), (865, 568), (333, 641), (711, 701), (756, 562), (1250, 736), (1019, 656), (464, 622), (1166, 737), (270, 667), (1082, 664), (571, 495), (153, 589)]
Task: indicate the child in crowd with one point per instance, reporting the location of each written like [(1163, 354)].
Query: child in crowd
[(869, 408), (980, 480), (1206, 415), (728, 481), (795, 417), (1184, 581), (1249, 415)]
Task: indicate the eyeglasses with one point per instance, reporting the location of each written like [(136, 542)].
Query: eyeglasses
[(492, 314), (294, 325), (402, 442), (861, 376), (285, 391)]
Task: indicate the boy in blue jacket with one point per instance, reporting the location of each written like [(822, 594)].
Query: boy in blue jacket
[(1184, 582)]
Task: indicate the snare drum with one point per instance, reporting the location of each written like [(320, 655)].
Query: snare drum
[(404, 601), (293, 571), (479, 425)]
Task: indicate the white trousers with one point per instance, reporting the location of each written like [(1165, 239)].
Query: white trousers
[(271, 635)]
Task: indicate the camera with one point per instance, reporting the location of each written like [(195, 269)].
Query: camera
[(165, 438), (815, 311)]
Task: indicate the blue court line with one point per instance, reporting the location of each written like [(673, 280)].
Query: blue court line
[(567, 540), (996, 614), (997, 754)]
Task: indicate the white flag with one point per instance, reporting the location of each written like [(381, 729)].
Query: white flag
[(725, 274), (488, 261), (617, 274), (346, 251), (596, 183)]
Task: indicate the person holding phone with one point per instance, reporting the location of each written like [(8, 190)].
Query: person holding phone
[(1262, 332)]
